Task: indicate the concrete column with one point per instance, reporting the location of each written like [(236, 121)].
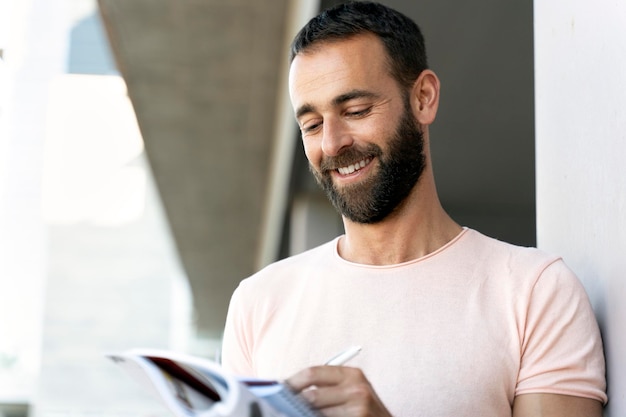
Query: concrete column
[(580, 52)]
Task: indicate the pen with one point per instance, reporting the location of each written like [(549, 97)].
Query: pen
[(344, 356)]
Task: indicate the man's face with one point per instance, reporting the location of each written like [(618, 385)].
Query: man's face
[(359, 133), (399, 168)]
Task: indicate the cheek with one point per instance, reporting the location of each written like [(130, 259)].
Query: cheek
[(312, 152)]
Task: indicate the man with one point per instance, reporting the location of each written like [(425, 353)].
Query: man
[(451, 322)]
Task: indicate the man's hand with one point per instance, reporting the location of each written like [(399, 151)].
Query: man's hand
[(338, 391)]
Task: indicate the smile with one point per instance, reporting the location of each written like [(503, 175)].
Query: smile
[(354, 167)]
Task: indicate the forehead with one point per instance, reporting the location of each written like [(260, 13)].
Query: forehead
[(334, 67)]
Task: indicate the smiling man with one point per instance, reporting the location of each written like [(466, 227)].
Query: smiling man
[(451, 322)]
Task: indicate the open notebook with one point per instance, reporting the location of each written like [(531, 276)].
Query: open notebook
[(192, 387)]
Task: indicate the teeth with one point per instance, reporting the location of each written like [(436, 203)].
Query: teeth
[(355, 167)]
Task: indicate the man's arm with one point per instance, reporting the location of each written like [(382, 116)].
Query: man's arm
[(554, 405)]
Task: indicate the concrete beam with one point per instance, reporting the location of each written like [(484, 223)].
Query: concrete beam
[(202, 76)]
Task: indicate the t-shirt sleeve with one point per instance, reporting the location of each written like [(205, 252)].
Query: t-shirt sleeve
[(235, 344), (562, 348)]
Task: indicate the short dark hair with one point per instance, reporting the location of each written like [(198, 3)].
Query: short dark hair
[(401, 37)]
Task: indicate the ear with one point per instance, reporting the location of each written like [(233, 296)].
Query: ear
[(425, 97)]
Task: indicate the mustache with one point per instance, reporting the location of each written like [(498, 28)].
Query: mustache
[(348, 157)]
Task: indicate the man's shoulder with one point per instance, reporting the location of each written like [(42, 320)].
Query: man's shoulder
[(287, 270), (325, 251), (500, 254), (516, 269), (483, 243)]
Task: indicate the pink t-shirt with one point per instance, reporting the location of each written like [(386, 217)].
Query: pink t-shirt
[(459, 332)]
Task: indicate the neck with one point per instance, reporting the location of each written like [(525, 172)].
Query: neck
[(419, 226)]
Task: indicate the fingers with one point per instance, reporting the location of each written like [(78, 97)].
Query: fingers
[(338, 391), (319, 376), (341, 397)]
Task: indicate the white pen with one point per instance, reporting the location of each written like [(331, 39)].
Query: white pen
[(344, 356)]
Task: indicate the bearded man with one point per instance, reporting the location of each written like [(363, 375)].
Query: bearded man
[(451, 322)]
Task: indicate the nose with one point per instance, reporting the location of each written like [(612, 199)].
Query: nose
[(335, 137)]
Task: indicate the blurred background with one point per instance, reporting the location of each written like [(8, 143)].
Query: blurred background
[(149, 161)]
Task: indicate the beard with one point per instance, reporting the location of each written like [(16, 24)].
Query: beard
[(400, 167)]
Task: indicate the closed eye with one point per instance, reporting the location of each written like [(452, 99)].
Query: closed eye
[(310, 127), (359, 113)]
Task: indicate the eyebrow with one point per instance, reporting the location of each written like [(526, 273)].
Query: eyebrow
[(340, 99)]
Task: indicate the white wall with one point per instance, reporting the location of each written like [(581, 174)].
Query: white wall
[(30, 62), (87, 261), (580, 81)]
